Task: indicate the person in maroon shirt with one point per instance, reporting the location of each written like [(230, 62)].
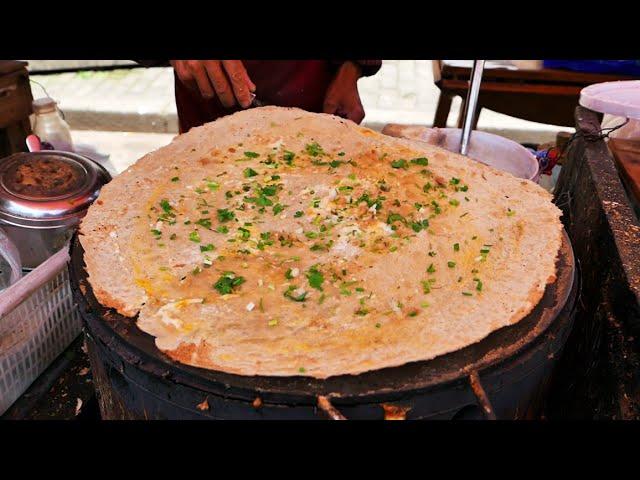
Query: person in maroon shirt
[(209, 89)]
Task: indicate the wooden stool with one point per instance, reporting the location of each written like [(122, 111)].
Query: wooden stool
[(15, 107), (545, 95)]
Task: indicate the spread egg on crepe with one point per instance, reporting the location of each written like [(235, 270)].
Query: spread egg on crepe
[(280, 242)]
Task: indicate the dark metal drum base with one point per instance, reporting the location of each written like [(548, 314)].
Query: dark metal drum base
[(510, 371)]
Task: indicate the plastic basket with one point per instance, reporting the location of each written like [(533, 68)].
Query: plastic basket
[(38, 321)]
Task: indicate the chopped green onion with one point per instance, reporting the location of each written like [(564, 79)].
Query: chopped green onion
[(315, 278), (401, 163), (296, 298), (288, 157), (249, 172), (164, 203), (420, 161), (205, 222), (228, 282), (314, 149), (224, 215)]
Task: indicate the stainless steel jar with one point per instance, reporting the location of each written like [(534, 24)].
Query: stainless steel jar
[(43, 196)]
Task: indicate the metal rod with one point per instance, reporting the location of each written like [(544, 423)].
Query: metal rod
[(481, 396), (471, 104), (332, 412)]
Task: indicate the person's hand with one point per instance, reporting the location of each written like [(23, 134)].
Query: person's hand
[(226, 79), (342, 96)]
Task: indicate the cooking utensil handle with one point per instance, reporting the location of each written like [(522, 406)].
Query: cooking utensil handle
[(33, 143), (471, 105), (330, 411), (481, 396)]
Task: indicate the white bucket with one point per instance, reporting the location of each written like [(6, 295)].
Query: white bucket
[(493, 150)]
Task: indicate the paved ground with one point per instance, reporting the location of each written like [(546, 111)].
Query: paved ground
[(142, 100), (127, 112)]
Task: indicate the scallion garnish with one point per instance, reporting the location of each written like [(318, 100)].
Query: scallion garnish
[(228, 282), (224, 215), (400, 163)]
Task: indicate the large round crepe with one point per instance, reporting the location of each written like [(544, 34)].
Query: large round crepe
[(280, 242)]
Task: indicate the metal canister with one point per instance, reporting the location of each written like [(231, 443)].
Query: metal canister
[(43, 196)]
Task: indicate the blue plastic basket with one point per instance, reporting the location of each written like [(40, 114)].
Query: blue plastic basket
[(618, 67)]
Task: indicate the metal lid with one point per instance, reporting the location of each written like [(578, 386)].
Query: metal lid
[(48, 189), (44, 105)]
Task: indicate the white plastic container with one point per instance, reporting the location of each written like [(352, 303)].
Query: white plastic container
[(621, 98)]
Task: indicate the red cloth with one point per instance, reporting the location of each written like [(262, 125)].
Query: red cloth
[(286, 83)]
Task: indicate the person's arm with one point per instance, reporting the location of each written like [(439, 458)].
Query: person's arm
[(367, 67), (226, 79), (342, 97)]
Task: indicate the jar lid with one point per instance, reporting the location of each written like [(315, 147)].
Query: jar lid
[(47, 189), (44, 105), (621, 98)]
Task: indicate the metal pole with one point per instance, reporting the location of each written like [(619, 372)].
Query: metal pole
[(471, 104)]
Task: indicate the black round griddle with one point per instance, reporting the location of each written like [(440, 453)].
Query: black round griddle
[(155, 386)]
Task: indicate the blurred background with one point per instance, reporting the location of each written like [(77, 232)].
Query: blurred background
[(125, 111)]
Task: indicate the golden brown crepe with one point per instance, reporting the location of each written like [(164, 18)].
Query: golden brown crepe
[(280, 242)]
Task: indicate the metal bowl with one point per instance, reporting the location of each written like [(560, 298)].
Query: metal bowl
[(43, 196)]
